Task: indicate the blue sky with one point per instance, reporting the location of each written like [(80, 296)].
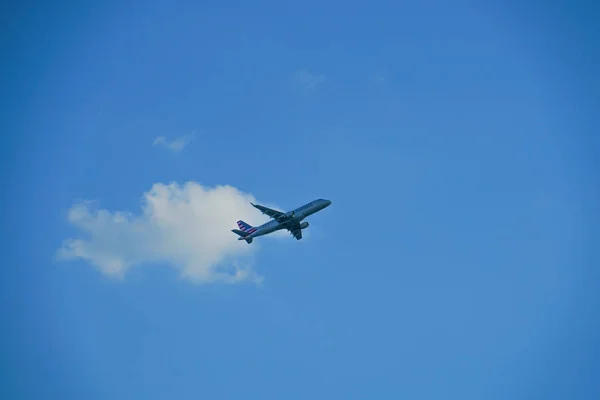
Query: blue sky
[(458, 145)]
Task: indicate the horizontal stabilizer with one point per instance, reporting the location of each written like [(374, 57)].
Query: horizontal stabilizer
[(240, 233), (243, 235)]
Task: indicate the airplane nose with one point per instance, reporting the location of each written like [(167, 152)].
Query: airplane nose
[(327, 202)]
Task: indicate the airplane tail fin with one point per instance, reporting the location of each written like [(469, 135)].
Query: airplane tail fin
[(245, 227), (244, 231)]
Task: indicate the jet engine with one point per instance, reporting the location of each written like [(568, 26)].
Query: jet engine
[(304, 225)]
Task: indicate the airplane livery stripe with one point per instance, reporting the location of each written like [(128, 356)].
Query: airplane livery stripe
[(243, 226)]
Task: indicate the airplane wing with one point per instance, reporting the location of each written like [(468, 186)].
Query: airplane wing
[(296, 231), (277, 215)]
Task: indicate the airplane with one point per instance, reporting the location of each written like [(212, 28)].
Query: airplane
[(292, 221)]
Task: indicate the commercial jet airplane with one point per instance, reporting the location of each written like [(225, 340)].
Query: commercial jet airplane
[(292, 221)]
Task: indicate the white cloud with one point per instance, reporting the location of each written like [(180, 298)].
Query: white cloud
[(186, 226), (306, 81), (177, 144)]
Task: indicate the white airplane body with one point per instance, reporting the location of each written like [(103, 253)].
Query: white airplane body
[(292, 221)]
